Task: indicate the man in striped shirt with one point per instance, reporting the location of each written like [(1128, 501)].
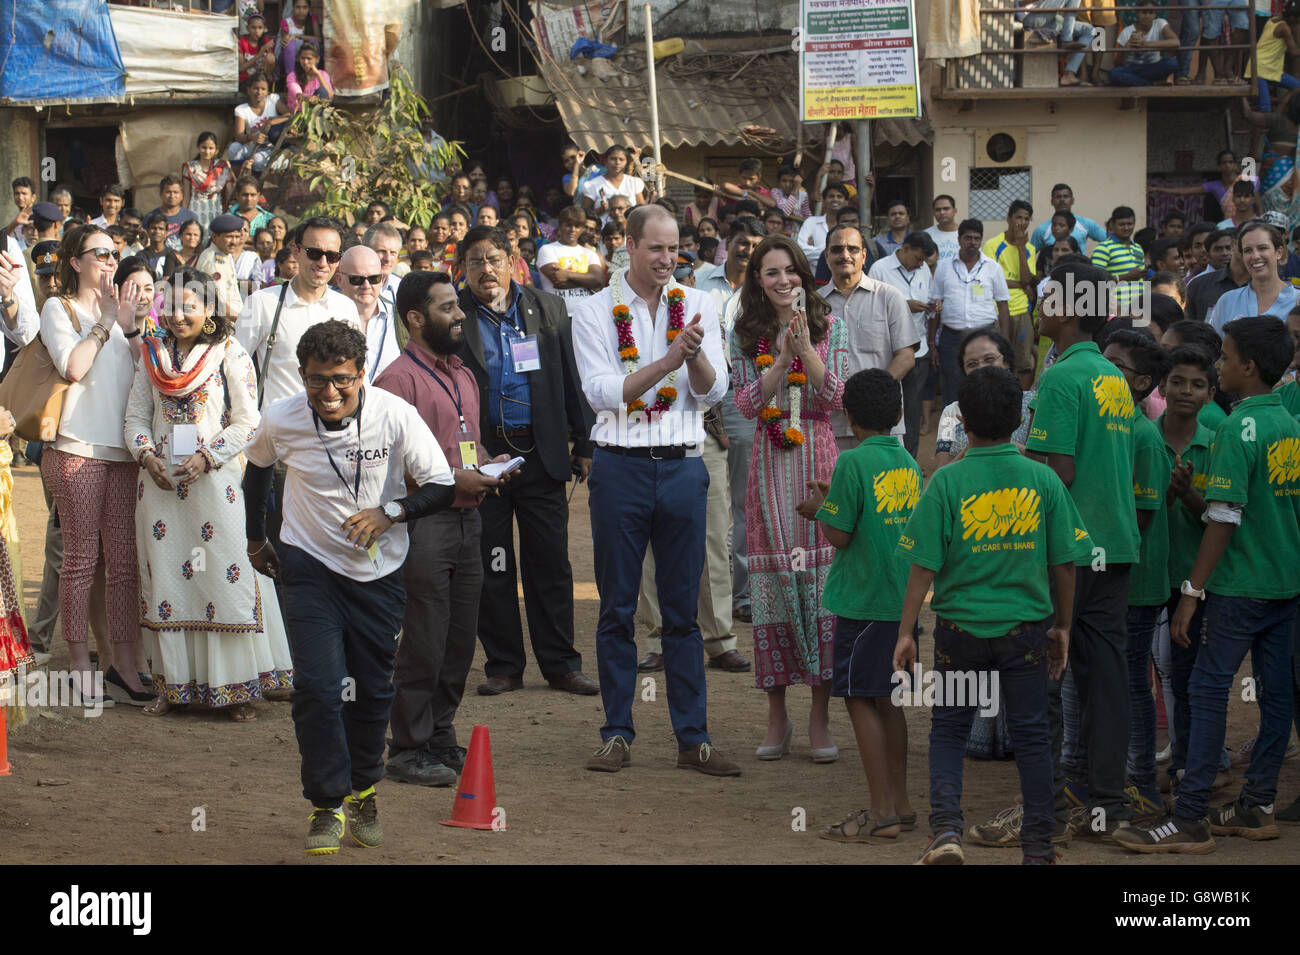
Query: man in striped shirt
[(1122, 257)]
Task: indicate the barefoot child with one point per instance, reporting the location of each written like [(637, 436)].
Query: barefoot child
[(862, 512), (984, 535), (1246, 564)]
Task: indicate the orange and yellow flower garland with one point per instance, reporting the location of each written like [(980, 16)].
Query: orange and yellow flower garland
[(627, 350), (791, 436)]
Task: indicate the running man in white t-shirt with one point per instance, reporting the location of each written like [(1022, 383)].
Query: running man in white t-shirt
[(348, 450)]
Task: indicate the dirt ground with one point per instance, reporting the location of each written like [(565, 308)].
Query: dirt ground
[(125, 788)]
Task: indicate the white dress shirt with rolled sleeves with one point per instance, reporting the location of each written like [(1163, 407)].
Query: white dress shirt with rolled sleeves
[(595, 346)]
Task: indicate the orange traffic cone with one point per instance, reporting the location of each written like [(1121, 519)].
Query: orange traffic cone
[(476, 799), (4, 743)]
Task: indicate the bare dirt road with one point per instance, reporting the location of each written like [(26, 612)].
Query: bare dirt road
[(126, 788)]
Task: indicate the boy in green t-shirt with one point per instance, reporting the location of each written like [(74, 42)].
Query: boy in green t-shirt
[(1142, 361), (1247, 562), (863, 511), (1082, 426), (1188, 387), (984, 535)]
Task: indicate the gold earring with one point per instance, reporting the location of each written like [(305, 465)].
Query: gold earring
[(209, 327)]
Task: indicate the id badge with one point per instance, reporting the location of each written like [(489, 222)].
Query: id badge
[(468, 454), (524, 353), (977, 290), (185, 441)]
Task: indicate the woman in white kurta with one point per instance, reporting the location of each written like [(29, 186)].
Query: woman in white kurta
[(214, 627)]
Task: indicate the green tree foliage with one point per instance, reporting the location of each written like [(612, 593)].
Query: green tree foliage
[(345, 159)]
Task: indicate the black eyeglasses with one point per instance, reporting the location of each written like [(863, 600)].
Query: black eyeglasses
[(315, 255), (841, 249), (358, 280), (319, 382)]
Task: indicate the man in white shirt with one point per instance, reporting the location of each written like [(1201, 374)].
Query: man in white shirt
[(348, 450), (968, 293), (812, 234), (724, 283), (274, 319), (906, 271), (648, 479), (386, 242), (570, 270), (360, 278), (881, 331), (944, 230)]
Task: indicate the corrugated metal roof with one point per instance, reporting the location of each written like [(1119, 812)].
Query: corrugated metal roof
[(707, 99)]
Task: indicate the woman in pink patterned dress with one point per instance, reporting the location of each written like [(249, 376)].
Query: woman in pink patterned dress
[(790, 365)]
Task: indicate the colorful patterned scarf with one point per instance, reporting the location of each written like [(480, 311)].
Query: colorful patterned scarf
[(174, 383)]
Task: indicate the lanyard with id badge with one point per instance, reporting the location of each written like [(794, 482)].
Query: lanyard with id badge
[(355, 489), (468, 447)]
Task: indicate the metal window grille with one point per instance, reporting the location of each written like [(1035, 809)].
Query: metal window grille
[(993, 190)]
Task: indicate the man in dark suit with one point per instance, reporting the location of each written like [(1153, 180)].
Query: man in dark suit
[(518, 345)]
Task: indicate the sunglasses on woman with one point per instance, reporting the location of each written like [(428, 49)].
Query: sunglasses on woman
[(315, 255), (102, 254)]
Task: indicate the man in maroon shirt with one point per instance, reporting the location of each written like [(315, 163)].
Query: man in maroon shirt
[(444, 569)]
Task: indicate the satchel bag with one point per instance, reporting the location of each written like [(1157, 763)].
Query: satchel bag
[(33, 389)]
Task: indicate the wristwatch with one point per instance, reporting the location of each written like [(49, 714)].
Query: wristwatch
[(1190, 591), (394, 512)]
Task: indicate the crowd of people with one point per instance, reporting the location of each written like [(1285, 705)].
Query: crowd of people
[(254, 408)]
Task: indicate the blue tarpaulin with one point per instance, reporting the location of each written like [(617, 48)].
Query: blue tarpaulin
[(58, 50)]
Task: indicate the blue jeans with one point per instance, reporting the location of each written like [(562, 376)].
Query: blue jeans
[(1142, 74), (238, 152), (1212, 24), (1287, 82), (1188, 34), (1020, 660), (1077, 33), (1234, 626), (340, 628), (1142, 734), (635, 503)]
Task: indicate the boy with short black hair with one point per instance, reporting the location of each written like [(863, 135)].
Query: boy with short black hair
[(1188, 386), (1246, 563), (110, 206), (1082, 427), (749, 184), (862, 511), (1142, 361), (984, 535)]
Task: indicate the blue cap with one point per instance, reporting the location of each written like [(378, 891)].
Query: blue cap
[(226, 223), (47, 210)]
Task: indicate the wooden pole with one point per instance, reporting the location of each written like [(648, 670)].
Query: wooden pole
[(864, 167), (654, 101), (821, 183)]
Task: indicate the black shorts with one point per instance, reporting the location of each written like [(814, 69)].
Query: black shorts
[(864, 657)]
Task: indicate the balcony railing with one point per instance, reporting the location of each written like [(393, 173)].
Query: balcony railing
[(1007, 68)]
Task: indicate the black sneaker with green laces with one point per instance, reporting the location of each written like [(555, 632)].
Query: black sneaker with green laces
[(363, 819), (325, 831), (1249, 822), (1170, 835)]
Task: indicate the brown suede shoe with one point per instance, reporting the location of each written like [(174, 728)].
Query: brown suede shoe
[(574, 682), (731, 661), (496, 685), (651, 663), (707, 760), (612, 756)]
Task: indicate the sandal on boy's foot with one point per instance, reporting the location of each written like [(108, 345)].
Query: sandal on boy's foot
[(944, 848), (325, 832), (908, 821), (859, 826)]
